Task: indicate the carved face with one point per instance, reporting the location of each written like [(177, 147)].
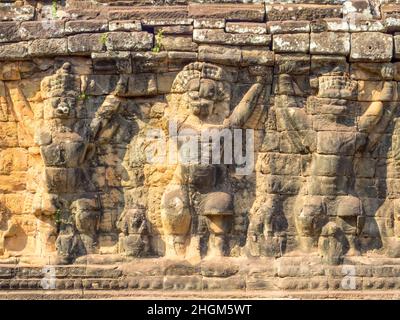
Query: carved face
[(202, 95), (86, 215)]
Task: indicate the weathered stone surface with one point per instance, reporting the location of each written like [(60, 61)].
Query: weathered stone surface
[(17, 13), (359, 25), (371, 46), (209, 23), (47, 47), (14, 51), (9, 32), (245, 27), (171, 12), (257, 57), (237, 12), (179, 29), (291, 43), (86, 43), (276, 27), (132, 41), (111, 62), (137, 85), (220, 54), (330, 43), (41, 29), (125, 25), (330, 24), (178, 43), (302, 11), (84, 26), (221, 37)]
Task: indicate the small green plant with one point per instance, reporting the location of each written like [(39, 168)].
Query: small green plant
[(54, 9), (158, 44), (103, 38), (58, 216), (82, 96)]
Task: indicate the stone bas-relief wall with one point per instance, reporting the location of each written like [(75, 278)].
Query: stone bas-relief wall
[(316, 85)]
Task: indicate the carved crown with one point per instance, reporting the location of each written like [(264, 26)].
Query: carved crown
[(196, 70), (337, 86)]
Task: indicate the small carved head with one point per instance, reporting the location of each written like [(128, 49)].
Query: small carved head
[(202, 87), (86, 213)]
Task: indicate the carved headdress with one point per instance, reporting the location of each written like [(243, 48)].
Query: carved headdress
[(199, 70), (337, 86)]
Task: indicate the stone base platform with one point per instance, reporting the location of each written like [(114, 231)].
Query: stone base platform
[(288, 277)]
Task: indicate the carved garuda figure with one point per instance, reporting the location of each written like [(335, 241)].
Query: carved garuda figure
[(199, 196), (67, 143), (336, 133)]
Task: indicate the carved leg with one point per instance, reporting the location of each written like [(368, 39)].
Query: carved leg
[(176, 220), (219, 227), (310, 221)]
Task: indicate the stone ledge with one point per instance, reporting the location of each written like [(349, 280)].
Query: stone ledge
[(288, 274)]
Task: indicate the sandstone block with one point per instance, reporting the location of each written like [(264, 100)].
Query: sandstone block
[(12, 183), (15, 159), (179, 29), (371, 47), (9, 71), (257, 57), (150, 23), (83, 26), (149, 61), (86, 43), (9, 32), (278, 27), (302, 11), (231, 283), (17, 13), (137, 85), (276, 184), (280, 164), (299, 42), (246, 27), (220, 54), (41, 29), (330, 165), (111, 62), (338, 143), (322, 64), (14, 51), (8, 134), (178, 43), (330, 43), (131, 41), (125, 25), (182, 283), (164, 81), (360, 25), (178, 59), (330, 24), (236, 12), (332, 186), (220, 37), (101, 84), (48, 47), (149, 12), (209, 23)]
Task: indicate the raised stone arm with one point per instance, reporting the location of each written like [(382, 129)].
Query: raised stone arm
[(103, 115), (245, 108), (377, 116)]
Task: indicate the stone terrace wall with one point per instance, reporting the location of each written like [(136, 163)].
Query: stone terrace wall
[(82, 82)]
